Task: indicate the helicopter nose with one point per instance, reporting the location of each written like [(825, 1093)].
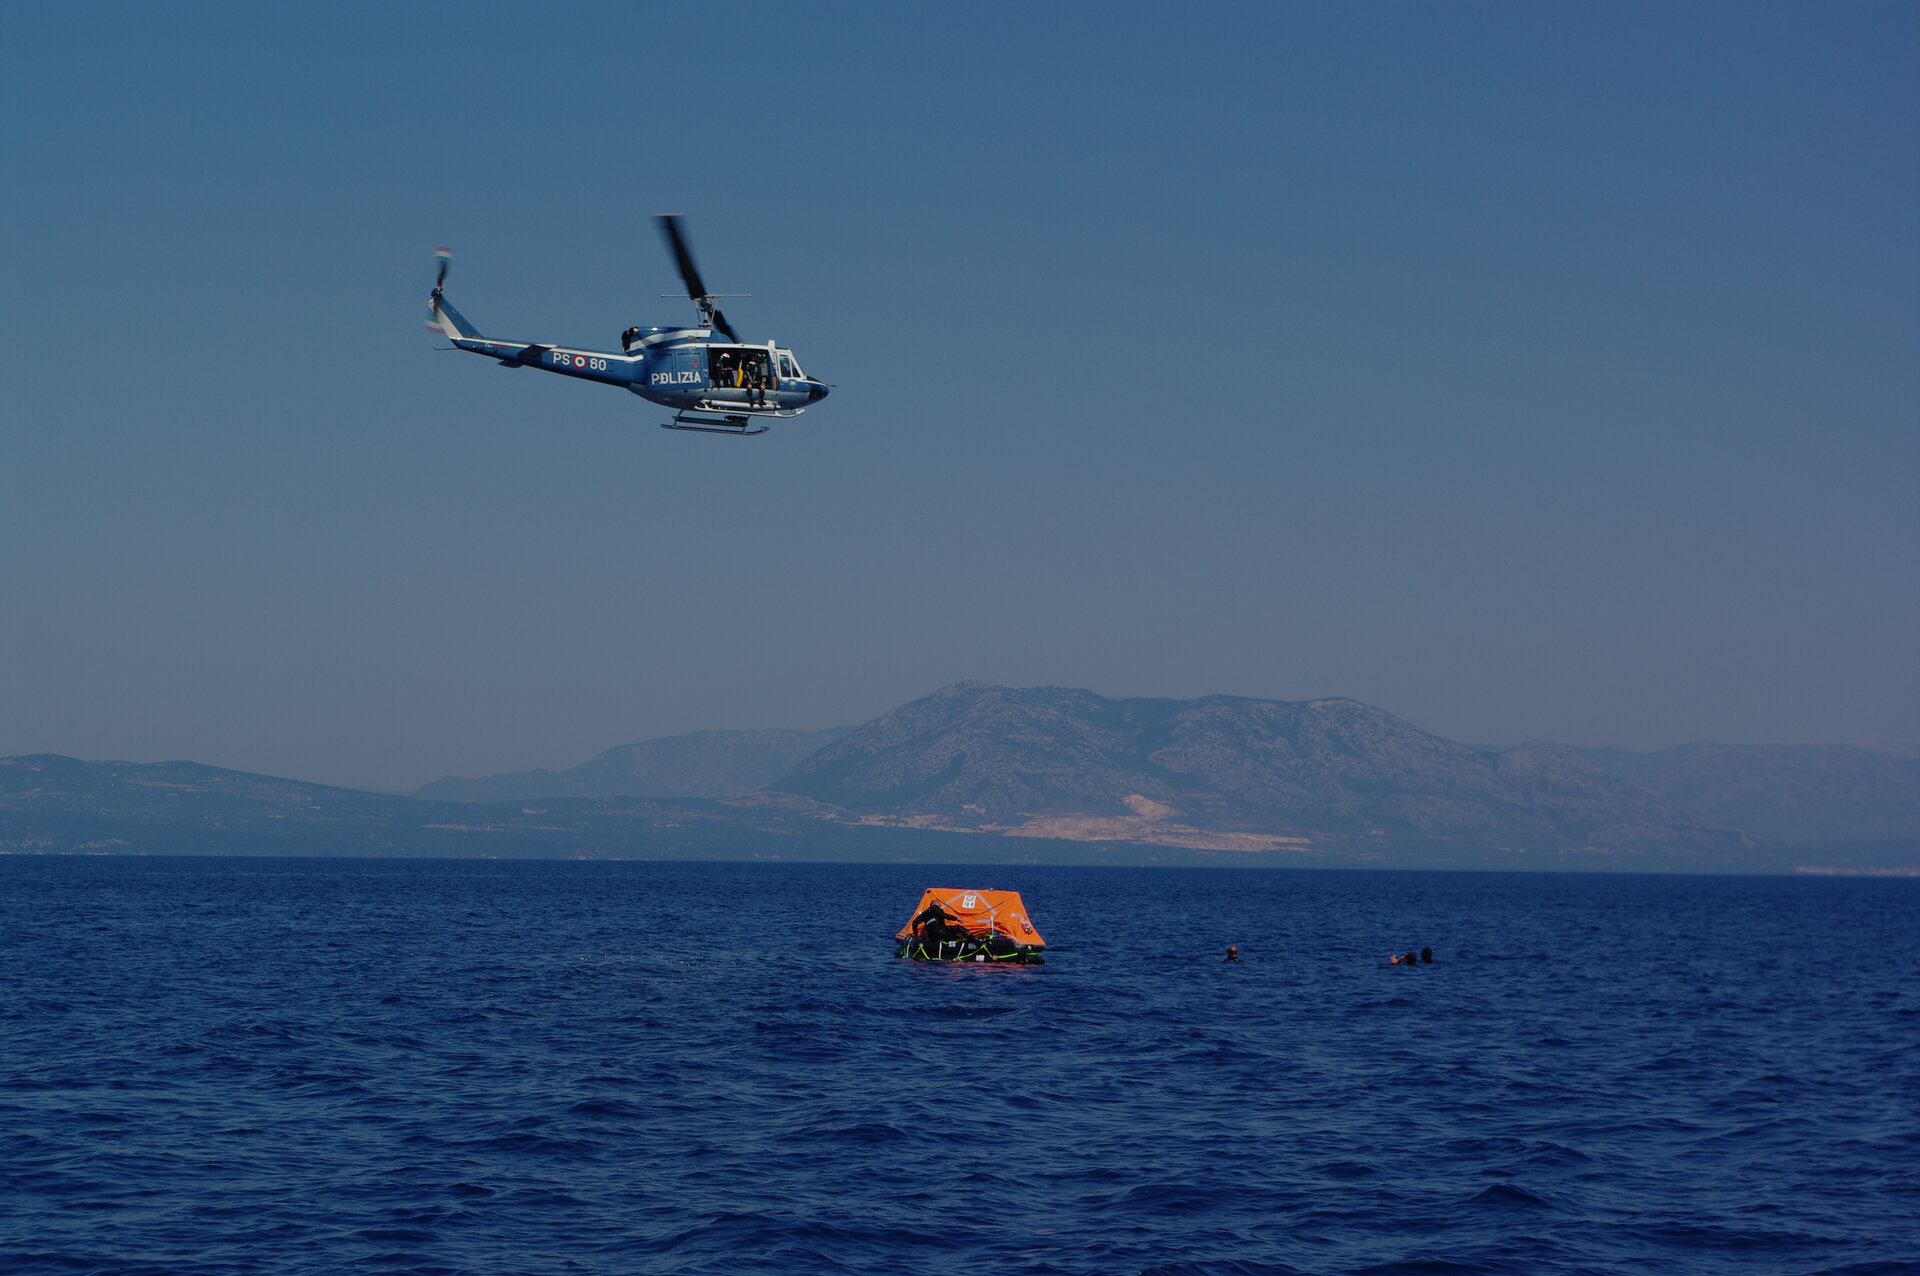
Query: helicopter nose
[(815, 392)]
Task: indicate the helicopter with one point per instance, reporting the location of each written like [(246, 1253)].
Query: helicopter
[(716, 383)]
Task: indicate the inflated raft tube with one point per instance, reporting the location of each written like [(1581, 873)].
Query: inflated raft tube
[(977, 926)]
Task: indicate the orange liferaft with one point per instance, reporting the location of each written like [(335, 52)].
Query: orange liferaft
[(996, 924)]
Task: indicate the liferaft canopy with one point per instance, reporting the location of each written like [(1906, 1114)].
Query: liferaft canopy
[(982, 913)]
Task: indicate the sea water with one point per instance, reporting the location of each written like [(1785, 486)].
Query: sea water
[(235, 1066)]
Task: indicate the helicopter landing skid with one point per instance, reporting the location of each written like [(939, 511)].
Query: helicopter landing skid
[(732, 423)]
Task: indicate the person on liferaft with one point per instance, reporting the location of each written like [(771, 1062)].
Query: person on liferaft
[(935, 925)]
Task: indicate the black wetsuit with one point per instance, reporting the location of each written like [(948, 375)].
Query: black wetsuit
[(936, 925)]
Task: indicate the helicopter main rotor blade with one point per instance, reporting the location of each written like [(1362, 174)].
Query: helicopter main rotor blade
[(720, 322), (669, 226)]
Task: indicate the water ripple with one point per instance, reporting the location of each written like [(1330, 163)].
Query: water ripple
[(253, 1066)]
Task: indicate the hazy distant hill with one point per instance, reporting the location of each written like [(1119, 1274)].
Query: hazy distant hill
[(703, 764), (1806, 794), (979, 772), (1238, 773), (58, 805)]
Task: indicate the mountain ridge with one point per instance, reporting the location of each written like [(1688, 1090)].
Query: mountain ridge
[(697, 764), (1793, 793), (1330, 772), (980, 770)]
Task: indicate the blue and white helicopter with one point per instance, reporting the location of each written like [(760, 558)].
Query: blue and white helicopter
[(716, 383)]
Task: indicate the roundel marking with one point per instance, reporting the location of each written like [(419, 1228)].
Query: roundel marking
[(579, 361)]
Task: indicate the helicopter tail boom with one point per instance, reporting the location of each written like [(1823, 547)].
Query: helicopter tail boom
[(590, 365)]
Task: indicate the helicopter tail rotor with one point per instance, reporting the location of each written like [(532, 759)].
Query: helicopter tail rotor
[(442, 317), (435, 321)]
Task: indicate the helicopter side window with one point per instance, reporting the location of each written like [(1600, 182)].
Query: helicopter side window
[(786, 366)]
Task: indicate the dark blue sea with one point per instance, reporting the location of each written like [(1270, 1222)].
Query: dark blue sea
[(293, 1066)]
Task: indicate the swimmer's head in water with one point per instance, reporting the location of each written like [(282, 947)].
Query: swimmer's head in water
[(1426, 955)]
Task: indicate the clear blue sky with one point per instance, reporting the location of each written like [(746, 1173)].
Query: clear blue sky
[(1527, 370)]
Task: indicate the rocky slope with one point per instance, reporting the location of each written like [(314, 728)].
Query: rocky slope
[(1249, 774)]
